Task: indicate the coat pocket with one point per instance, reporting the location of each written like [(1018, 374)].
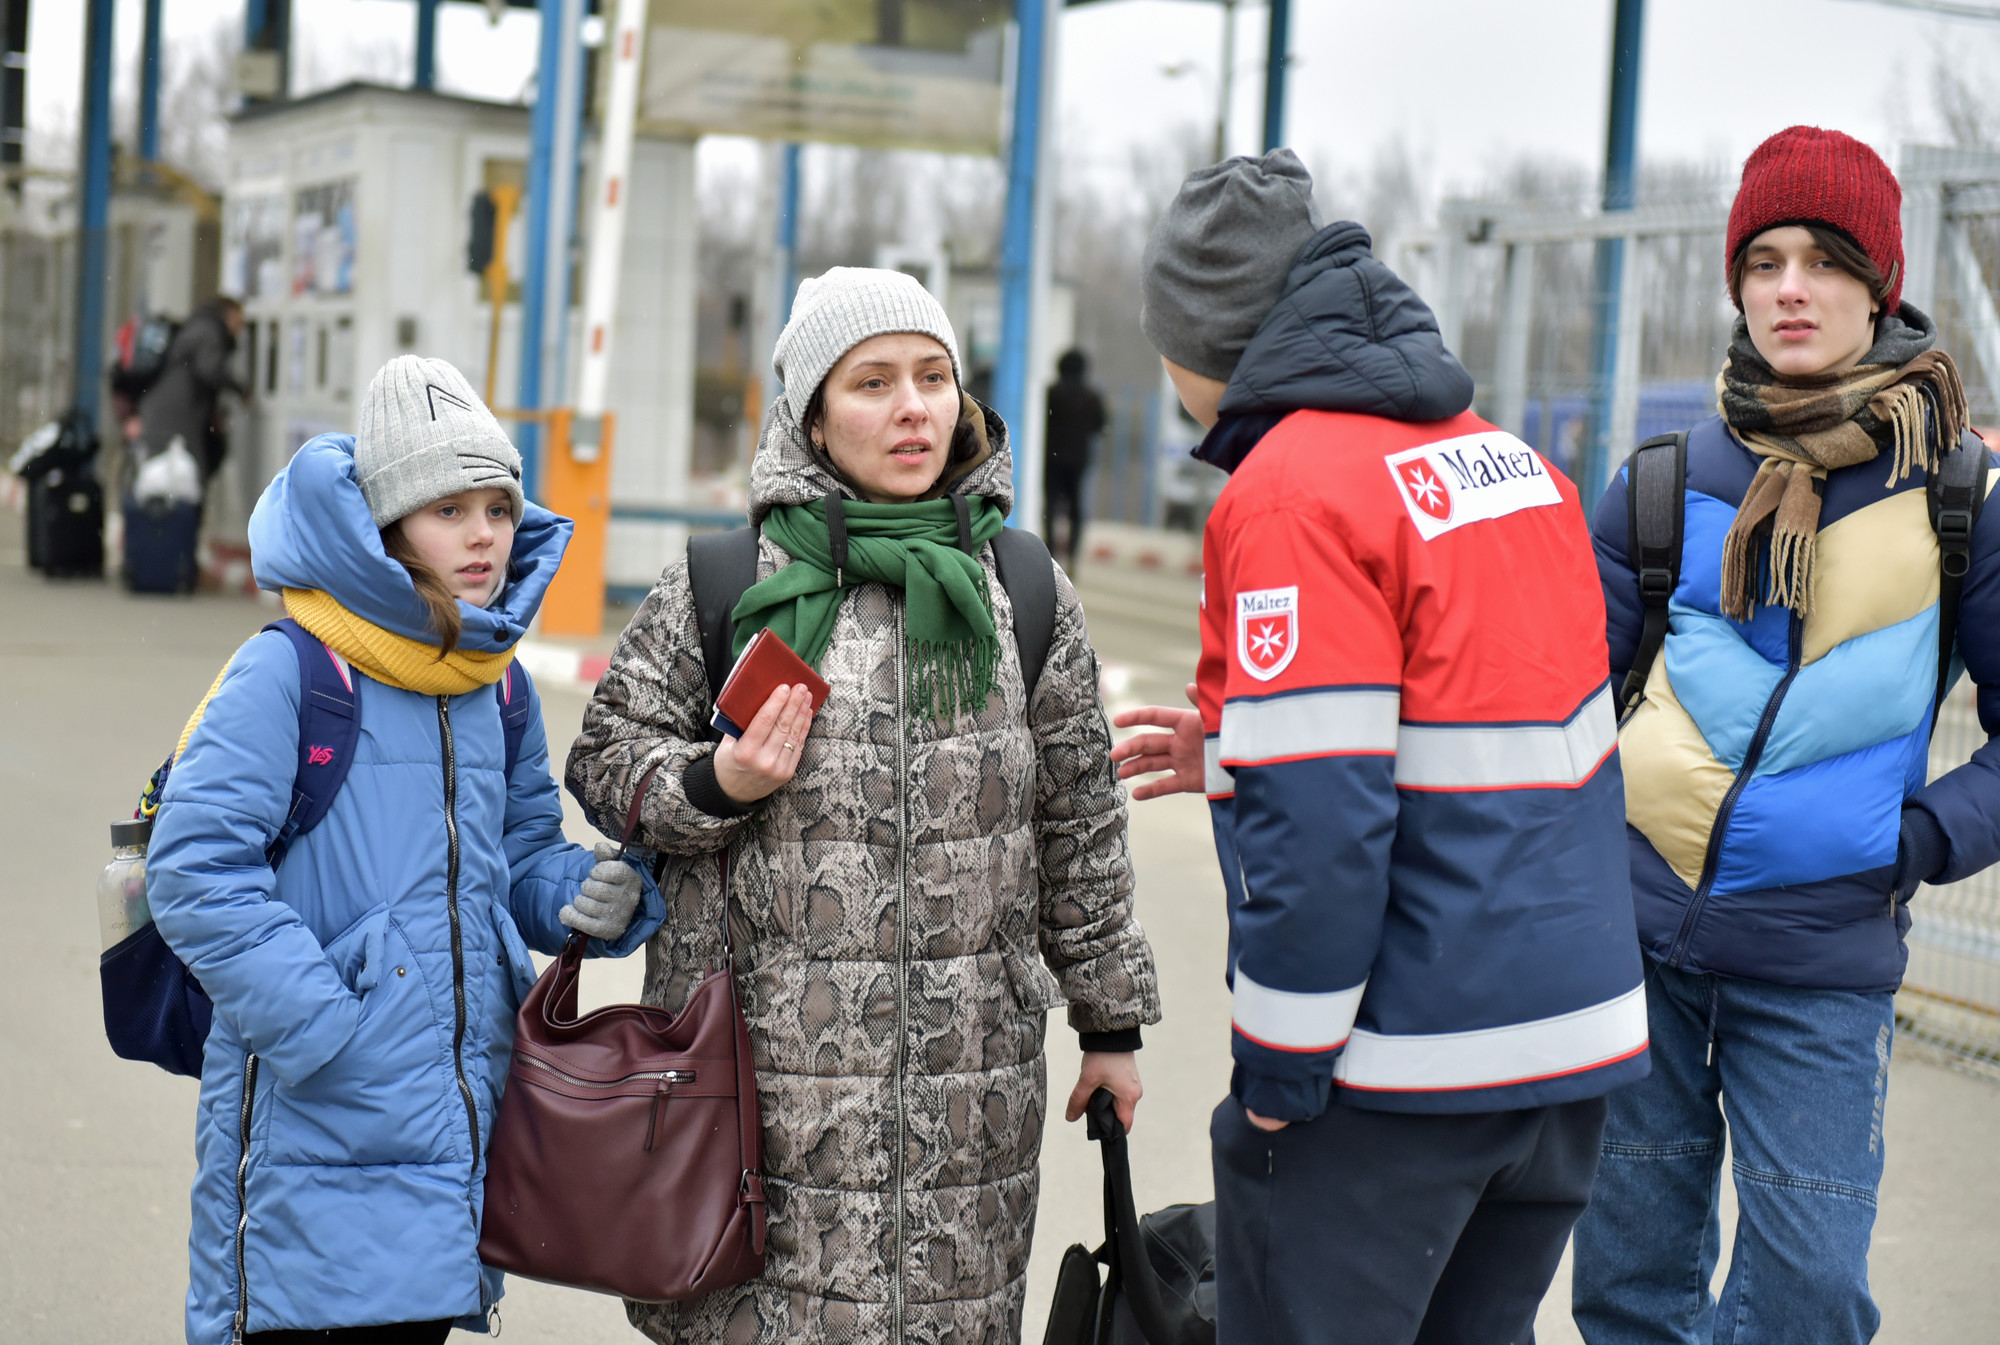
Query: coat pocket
[(514, 951), (1035, 986), (382, 1098)]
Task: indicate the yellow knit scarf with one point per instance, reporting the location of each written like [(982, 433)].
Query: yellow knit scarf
[(388, 657)]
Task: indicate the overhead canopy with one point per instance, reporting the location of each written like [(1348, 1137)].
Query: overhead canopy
[(889, 74)]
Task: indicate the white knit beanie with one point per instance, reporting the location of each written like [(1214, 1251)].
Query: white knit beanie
[(425, 435), (837, 311)]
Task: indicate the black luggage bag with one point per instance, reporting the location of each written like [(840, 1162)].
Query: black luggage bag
[(65, 517), (1159, 1288), (160, 546)]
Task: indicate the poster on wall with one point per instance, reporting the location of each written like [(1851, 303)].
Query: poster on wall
[(888, 74), (323, 238), (253, 245)]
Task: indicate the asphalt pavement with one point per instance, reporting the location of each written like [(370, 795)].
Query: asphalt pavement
[(96, 1153)]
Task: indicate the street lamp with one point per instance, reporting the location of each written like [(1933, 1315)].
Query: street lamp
[(1274, 68)]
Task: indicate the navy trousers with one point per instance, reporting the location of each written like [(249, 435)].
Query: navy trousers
[(1391, 1228)]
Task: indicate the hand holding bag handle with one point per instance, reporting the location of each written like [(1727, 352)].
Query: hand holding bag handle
[(612, 1167)]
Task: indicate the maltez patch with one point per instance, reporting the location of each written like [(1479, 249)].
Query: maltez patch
[(1470, 479), (1267, 630)]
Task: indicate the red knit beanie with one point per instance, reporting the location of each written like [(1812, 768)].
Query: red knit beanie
[(1806, 175)]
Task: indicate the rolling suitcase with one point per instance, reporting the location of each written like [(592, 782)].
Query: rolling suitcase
[(160, 545), (66, 520), (1159, 1288)]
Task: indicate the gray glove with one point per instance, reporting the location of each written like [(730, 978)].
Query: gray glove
[(610, 894)]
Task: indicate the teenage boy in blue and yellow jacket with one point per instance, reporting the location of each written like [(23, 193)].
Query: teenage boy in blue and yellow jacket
[(1775, 775)]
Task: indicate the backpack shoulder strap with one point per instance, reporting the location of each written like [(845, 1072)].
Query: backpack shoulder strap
[(516, 693), (1028, 573), (723, 565), (1655, 486), (721, 568), (329, 729), (1957, 493)]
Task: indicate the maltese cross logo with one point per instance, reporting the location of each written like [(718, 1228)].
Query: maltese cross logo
[(1425, 488), (1267, 631)]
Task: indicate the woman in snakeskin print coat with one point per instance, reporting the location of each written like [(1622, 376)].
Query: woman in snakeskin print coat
[(906, 906)]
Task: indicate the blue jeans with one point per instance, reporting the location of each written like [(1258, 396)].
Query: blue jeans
[(1802, 1077)]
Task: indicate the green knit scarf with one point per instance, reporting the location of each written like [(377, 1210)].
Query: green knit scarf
[(950, 642)]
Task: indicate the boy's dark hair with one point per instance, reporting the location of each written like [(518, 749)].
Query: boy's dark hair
[(1840, 249), (1073, 364), (437, 599)]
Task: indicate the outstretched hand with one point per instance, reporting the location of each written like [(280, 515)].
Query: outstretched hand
[(1178, 750), (767, 755)]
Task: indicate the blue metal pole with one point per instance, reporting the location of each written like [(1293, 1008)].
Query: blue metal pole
[(1621, 139), (427, 36), (788, 231), (267, 26), (93, 252), (572, 250), (1277, 56), (1017, 239), (535, 258), (149, 85)]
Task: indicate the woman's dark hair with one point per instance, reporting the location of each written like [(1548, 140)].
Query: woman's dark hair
[(437, 599), (1840, 249)]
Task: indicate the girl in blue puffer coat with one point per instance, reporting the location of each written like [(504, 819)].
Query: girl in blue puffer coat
[(365, 989)]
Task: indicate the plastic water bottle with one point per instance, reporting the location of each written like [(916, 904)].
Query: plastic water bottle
[(121, 888)]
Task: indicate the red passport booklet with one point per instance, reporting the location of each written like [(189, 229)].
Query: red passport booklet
[(765, 664)]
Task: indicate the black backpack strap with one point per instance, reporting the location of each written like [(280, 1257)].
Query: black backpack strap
[(1028, 573), (723, 565), (1957, 492), (329, 731), (721, 568), (516, 693), (1655, 483)]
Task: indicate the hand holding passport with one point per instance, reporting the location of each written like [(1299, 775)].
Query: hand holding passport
[(764, 712)]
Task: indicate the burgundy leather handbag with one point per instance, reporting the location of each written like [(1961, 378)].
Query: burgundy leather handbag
[(628, 1154)]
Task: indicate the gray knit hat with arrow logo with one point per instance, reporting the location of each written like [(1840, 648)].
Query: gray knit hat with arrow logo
[(425, 435)]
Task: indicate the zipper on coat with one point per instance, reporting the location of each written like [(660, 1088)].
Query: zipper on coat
[(457, 937), (1754, 754), (242, 1323), (896, 1294)]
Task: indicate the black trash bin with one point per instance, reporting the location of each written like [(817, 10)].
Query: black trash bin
[(65, 501)]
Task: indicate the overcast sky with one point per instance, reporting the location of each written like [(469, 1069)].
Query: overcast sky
[(1467, 84)]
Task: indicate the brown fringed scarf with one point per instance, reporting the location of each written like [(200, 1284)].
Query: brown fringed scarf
[(1904, 396)]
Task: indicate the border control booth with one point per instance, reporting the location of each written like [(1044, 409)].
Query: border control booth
[(346, 221)]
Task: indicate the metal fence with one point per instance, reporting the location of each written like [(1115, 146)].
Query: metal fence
[(36, 282), (1951, 993), (1515, 292)]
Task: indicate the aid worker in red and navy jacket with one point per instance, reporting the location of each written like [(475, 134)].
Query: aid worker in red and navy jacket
[(1411, 757)]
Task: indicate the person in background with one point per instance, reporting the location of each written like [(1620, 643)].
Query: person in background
[(1076, 418), (914, 876), (1775, 772), (366, 987), (182, 400), (1412, 764)]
